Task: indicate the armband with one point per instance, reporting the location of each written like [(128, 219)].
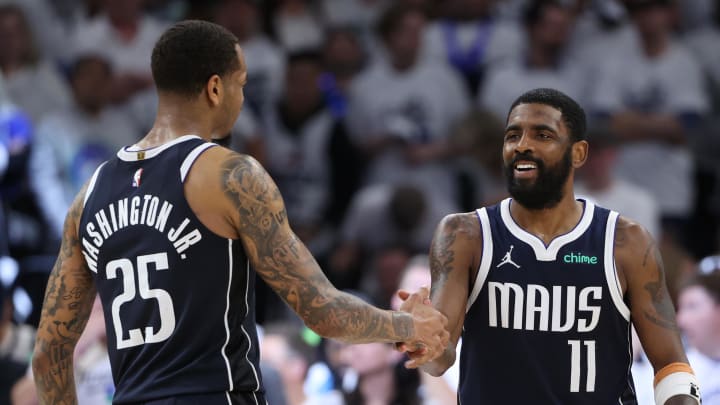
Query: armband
[(676, 379)]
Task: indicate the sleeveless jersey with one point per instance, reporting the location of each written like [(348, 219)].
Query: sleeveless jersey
[(178, 299), (546, 324)]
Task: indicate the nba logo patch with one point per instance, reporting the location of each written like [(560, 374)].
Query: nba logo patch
[(136, 178)]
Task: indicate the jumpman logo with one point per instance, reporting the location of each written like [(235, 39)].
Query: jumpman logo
[(507, 259)]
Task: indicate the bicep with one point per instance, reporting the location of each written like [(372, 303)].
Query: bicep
[(652, 309), (275, 252), (452, 256)]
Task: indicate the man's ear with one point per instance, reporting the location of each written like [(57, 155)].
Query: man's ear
[(579, 153), (214, 90)]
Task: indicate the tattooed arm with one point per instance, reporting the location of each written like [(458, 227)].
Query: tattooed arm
[(454, 260), (653, 315), (68, 301), (284, 262)]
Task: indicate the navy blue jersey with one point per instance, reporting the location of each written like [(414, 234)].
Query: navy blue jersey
[(178, 299), (546, 324)]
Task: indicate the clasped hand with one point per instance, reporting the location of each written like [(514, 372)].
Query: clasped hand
[(430, 329)]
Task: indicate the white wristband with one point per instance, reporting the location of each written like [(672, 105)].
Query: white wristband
[(678, 383)]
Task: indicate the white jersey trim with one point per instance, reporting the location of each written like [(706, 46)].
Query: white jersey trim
[(546, 253), (486, 260), (610, 269), (190, 159), (227, 309), (131, 154), (91, 184), (247, 336)]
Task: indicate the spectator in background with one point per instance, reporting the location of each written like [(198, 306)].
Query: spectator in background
[(16, 344), (265, 60), (652, 99), (72, 142), (471, 38), (377, 376), (344, 58), (701, 40), (548, 26), (302, 155), (385, 225), (291, 349), (474, 142), (699, 319), (402, 108), (599, 183), (297, 26), (33, 82), (246, 136), (125, 36), (359, 14)]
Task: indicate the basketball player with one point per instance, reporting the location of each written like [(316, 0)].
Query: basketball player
[(170, 233), (544, 287)]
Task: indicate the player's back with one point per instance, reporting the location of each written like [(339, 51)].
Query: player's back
[(546, 324), (175, 295)]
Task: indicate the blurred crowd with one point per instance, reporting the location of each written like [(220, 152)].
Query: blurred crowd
[(376, 118)]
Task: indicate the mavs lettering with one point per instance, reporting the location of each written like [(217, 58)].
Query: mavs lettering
[(532, 309)]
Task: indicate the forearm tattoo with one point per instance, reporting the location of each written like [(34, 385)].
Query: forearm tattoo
[(66, 309), (284, 262)]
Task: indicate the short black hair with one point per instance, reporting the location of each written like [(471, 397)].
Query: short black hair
[(189, 53), (572, 114)]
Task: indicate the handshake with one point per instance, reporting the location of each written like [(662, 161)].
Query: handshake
[(430, 335)]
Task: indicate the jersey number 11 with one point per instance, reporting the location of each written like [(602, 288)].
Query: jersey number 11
[(576, 364)]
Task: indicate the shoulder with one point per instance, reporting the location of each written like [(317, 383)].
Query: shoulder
[(629, 234), (465, 224), (632, 242), (220, 162)]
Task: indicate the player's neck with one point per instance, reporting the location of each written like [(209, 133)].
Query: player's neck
[(549, 223), (174, 120)]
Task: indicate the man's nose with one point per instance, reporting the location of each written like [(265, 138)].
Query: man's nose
[(523, 145)]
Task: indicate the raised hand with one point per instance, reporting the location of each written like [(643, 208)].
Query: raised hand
[(431, 335)]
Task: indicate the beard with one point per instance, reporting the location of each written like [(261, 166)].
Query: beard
[(546, 190)]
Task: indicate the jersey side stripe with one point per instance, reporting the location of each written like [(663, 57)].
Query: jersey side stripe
[(91, 185), (610, 270), (227, 309), (190, 159), (242, 327), (486, 261)]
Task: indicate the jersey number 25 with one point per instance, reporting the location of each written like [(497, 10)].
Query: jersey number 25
[(164, 301)]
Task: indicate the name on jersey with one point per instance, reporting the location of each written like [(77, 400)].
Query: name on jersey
[(148, 211), (537, 308)]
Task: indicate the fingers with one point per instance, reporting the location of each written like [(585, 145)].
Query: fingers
[(424, 293)]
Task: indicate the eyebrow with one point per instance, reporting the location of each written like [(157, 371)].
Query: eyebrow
[(537, 127)]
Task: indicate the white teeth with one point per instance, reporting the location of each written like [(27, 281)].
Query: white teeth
[(525, 166)]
